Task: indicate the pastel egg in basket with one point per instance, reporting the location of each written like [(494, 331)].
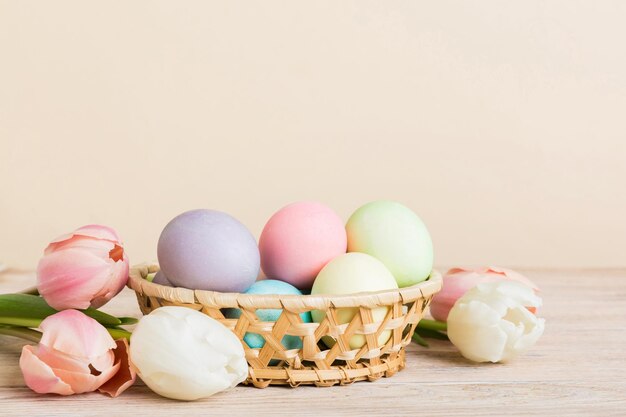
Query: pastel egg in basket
[(316, 362)]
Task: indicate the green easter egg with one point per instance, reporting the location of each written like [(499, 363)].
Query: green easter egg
[(394, 234)]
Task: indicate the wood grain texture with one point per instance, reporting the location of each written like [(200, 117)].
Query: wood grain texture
[(577, 368)]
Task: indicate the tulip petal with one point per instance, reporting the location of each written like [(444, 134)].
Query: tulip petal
[(474, 329), (491, 322), (514, 276), (101, 246), (183, 354), (63, 361), (60, 360), (76, 334), (40, 377), (503, 272), (103, 362), (530, 337), (528, 329), (86, 382), (69, 278), (454, 286), (117, 279), (98, 231), (126, 375), (93, 231), (457, 281), (519, 294), (85, 268), (504, 295)]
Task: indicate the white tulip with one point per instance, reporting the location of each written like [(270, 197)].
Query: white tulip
[(491, 322), (183, 354)]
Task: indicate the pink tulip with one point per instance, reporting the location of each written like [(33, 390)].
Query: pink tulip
[(83, 269), (75, 355), (457, 281)]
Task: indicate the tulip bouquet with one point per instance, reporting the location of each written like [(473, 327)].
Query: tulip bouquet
[(79, 349), (488, 313)]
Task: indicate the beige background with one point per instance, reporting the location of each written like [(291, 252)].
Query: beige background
[(501, 123)]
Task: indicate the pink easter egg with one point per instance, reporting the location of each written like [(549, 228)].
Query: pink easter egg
[(299, 240)]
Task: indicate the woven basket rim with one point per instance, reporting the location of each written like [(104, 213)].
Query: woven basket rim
[(301, 302)]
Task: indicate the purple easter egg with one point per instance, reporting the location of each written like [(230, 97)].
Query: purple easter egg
[(208, 250), (161, 279)]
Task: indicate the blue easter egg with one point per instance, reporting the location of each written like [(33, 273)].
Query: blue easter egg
[(268, 287)]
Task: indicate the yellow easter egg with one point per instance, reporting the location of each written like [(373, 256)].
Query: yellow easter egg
[(348, 274)]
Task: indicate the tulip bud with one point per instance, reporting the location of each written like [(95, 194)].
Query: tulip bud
[(491, 322), (183, 354), (458, 281), (75, 355), (83, 269)]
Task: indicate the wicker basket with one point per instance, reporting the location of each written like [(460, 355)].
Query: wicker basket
[(314, 363)]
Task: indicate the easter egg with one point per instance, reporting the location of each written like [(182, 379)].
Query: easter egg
[(352, 273), (394, 234), (208, 250), (298, 240), (270, 286), (161, 279)]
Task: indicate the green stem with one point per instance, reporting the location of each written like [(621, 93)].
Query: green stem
[(18, 322), (21, 332), (128, 320), (433, 334), (118, 333), (432, 325), (418, 339)]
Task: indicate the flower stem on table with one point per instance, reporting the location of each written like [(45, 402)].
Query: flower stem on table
[(432, 334), (419, 340), (432, 329), (21, 332), (20, 312), (440, 326)]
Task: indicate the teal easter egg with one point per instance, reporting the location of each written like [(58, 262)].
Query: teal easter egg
[(348, 274), (268, 287), (394, 234)]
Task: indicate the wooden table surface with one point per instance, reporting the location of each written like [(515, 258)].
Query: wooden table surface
[(577, 368)]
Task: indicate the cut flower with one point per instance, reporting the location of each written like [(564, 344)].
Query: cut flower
[(76, 355), (183, 354), (492, 322), (85, 268)]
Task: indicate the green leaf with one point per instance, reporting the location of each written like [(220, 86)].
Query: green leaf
[(29, 310), (20, 322), (24, 306)]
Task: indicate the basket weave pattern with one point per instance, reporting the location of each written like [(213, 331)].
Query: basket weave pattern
[(315, 363)]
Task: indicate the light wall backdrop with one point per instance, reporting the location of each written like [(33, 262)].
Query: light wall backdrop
[(501, 123)]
